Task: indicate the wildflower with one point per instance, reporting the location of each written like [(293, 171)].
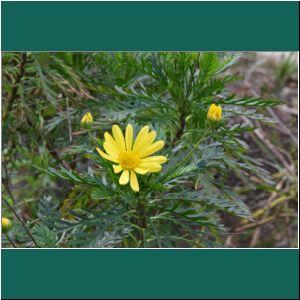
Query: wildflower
[(214, 112), (6, 225), (132, 157), (87, 120)]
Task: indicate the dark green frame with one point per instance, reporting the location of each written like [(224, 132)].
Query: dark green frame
[(136, 273), (128, 26)]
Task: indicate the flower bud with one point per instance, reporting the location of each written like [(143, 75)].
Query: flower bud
[(214, 112), (87, 121), (6, 225)]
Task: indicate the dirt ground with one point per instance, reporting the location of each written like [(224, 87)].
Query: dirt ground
[(275, 211)]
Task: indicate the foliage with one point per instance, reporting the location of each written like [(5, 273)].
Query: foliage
[(48, 156)]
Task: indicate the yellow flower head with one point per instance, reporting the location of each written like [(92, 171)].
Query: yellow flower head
[(131, 157), (6, 225), (87, 120), (214, 112)]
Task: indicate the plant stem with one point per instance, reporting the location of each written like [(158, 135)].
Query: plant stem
[(195, 147), (9, 239), (180, 130), (20, 220), (184, 101), (92, 138), (141, 221)]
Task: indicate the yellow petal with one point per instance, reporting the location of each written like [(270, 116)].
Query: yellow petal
[(142, 135), (108, 157), (119, 138), (109, 139), (220, 112), (111, 150), (152, 149), (117, 168), (155, 159), (151, 167), (87, 118), (148, 140), (129, 137), (134, 181), (141, 171), (124, 178), (214, 112)]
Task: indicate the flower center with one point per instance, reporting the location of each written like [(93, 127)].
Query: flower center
[(128, 160)]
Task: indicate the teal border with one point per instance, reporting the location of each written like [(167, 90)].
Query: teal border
[(129, 26), (150, 274)]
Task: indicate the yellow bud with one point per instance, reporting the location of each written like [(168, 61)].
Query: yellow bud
[(6, 225), (214, 112), (87, 120)]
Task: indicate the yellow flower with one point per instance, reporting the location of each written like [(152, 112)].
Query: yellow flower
[(6, 225), (87, 120), (131, 157), (214, 112)]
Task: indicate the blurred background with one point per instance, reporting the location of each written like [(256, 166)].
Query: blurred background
[(275, 211)]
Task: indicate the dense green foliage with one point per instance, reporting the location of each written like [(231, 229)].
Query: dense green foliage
[(50, 164)]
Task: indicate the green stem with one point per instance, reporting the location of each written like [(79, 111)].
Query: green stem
[(187, 157), (141, 221), (92, 138)]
